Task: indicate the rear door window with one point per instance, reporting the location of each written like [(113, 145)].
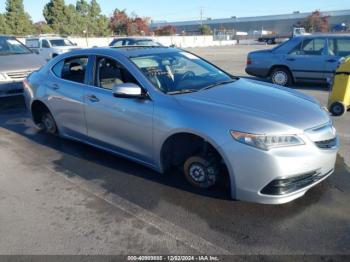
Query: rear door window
[(72, 69), (313, 46)]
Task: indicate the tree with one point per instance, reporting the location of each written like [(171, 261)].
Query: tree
[(138, 26), (55, 15), (118, 23), (165, 30), (102, 26), (98, 23), (42, 27), (3, 25), (316, 22), (205, 30), (17, 20), (82, 10), (72, 25)]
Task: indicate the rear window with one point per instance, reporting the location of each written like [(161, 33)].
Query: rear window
[(71, 69), (309, 46), (339, 47), (32, 43)]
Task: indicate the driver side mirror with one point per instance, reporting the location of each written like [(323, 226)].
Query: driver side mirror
[(127, 90)]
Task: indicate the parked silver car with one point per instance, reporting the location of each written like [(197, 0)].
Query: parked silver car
[(16, 62), (165, 107), (312, 58)]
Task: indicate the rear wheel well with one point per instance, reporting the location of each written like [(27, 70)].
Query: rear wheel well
[(38, 108), (179, 147), (280, 66)]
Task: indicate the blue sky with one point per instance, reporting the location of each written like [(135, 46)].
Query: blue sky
[(190, 9)]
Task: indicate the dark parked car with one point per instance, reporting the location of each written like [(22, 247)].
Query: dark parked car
[(301, 59), (16, 62), (133, 41)]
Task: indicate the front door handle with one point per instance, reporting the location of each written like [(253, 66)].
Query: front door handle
[(332, 60), (93, 98), (290, 59)]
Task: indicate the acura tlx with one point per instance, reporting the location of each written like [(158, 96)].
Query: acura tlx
[(166, 108)]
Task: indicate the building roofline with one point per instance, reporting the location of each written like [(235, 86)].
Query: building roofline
[(251, 18)]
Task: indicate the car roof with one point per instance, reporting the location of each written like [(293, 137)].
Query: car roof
[(133, 38), (46, 37), (127, 51)]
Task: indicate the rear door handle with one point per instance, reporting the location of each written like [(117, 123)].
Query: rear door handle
[(93, 98), (290, 59)]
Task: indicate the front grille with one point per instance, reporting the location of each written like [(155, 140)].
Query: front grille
[(19, 75), (324, 137), (289, 185), (327, 144)]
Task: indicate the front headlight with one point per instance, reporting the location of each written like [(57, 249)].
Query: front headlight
[(267, 142)]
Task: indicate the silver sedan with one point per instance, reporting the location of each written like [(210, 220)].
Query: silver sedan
[(166, 108)]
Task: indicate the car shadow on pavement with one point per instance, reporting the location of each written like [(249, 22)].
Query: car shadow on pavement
[(75, 156), (152, 191)]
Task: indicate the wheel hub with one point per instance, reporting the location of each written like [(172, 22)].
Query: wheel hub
[(280, 78), (337, 109), (48, 124), (197, 172)]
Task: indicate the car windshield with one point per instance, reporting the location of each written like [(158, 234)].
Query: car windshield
[(180, 72), (11, 46), (61, 42)]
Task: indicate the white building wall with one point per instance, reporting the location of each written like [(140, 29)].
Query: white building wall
[(179, 41)]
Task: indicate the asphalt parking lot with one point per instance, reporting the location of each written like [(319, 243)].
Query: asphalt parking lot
[(62, 197)]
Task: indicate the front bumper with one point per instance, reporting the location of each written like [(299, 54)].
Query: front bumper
[(255, 173), (11, 88)]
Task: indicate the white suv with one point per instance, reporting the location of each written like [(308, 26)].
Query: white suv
[(49, 47)]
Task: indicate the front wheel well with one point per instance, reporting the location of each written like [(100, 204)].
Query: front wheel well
[(38, 108), (179, 147)]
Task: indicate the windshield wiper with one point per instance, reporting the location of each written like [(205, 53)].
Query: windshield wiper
[(219, 84), (183, 91)]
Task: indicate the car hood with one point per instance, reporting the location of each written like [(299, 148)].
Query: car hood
[(259, 106), (11, 63)]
